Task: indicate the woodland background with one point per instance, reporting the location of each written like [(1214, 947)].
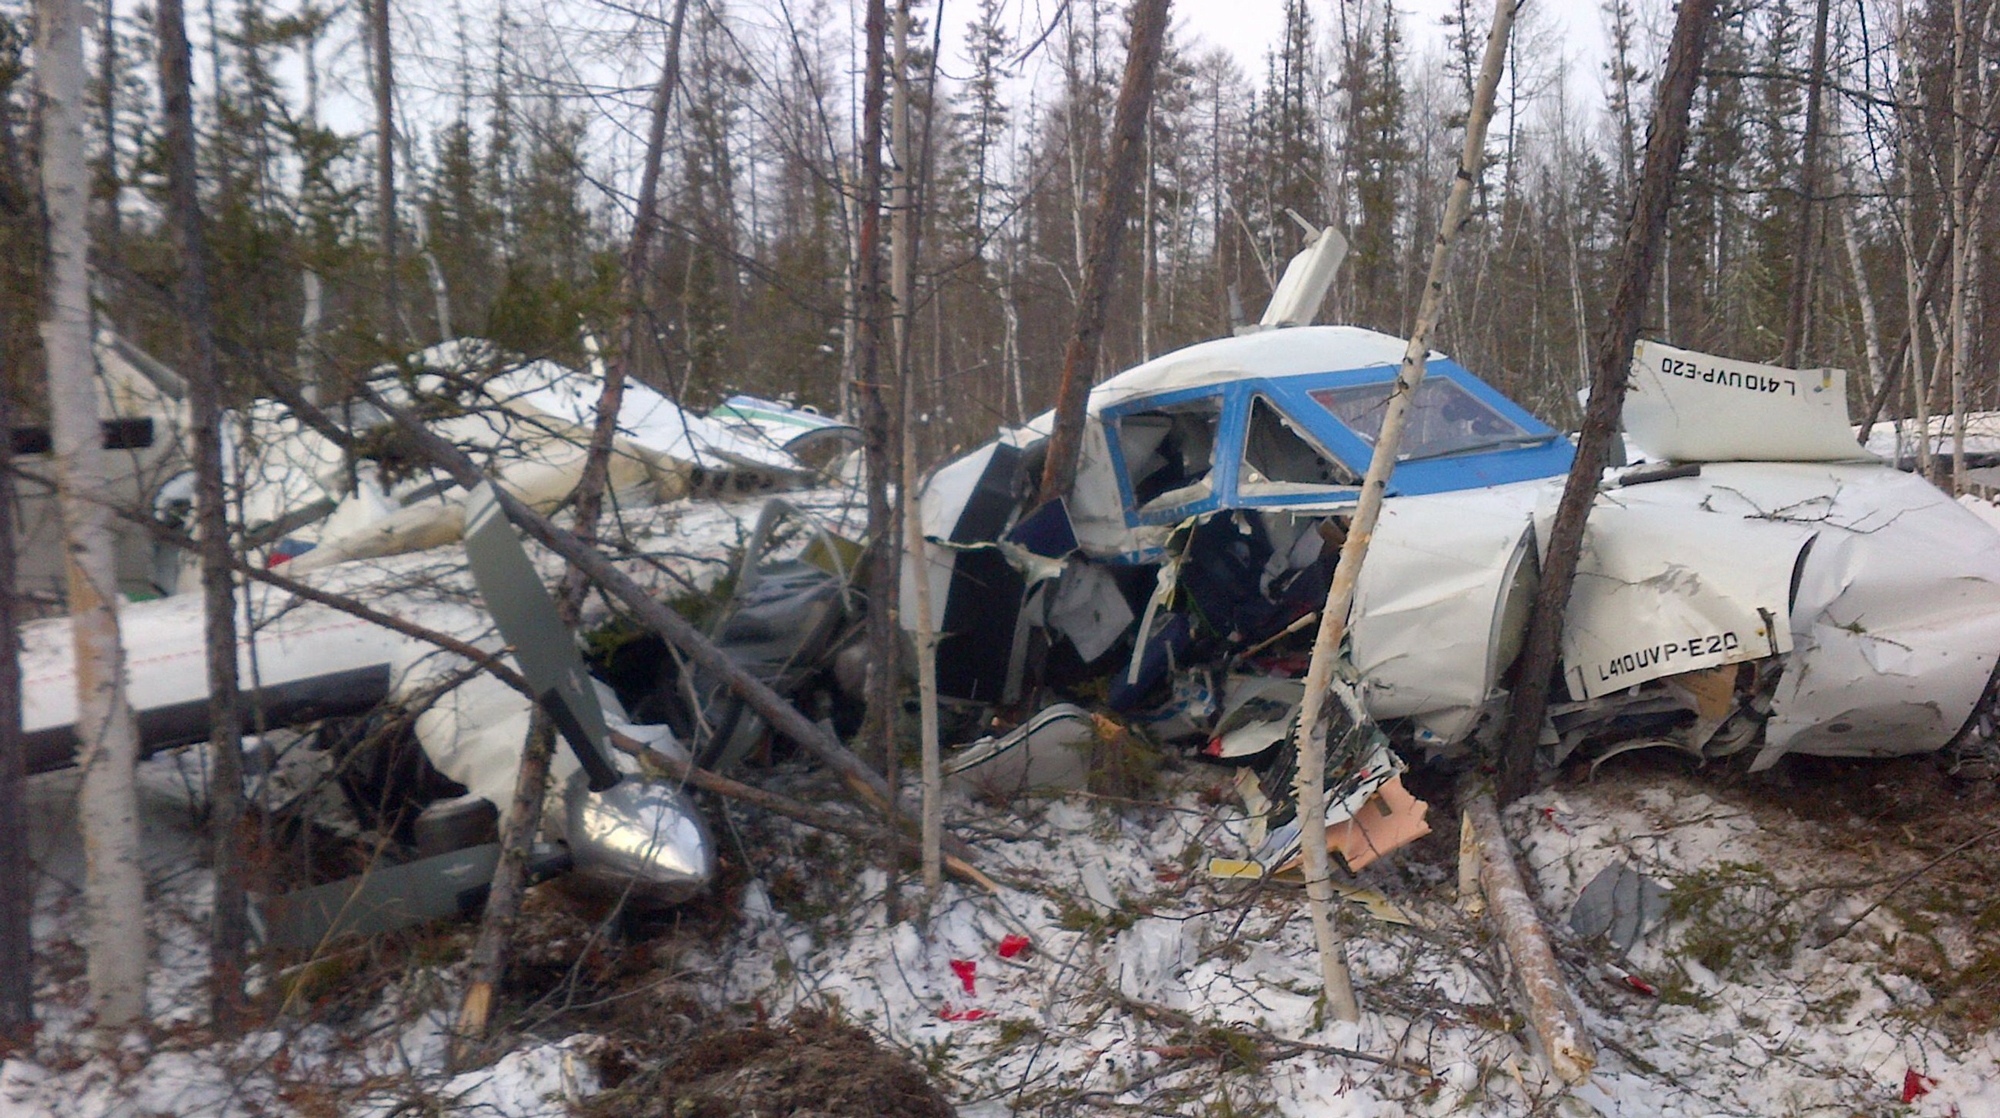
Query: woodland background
[(518, 129)]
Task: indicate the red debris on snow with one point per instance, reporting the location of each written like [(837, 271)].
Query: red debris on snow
[(1916, 1086), (1549, 814), (965, 969), (950, 1014), (1641, 985), (1012, 945)]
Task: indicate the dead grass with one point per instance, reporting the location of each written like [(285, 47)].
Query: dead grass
[(1904, 833), (814, 1064)]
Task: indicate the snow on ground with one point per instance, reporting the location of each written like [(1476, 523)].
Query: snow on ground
[(391, 1058), (1146, 986), (1149, 988)]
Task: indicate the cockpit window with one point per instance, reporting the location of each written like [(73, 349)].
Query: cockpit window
[(1275, 452), (1169, 452), (1444, 418)]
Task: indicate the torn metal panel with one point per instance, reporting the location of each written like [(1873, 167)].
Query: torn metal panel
[(1302, 288), (1049, 751), (1667, 584), (1257, 715), (1683, 406), (1619, 904), (1090, 609), (1897, 622), (798, 430), (1440, 604)]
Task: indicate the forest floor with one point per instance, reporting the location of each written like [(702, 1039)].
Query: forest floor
[(1831, 945)]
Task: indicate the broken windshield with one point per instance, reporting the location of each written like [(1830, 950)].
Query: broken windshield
[(1276, 453), (1444, 418), (1169, 452)]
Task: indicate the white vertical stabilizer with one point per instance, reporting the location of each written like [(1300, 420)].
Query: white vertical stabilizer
[(1303, 287)]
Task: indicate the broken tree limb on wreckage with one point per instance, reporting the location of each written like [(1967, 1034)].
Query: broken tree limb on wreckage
[(785, 719), (1311, 790), (1107, 233), (1664, 147)]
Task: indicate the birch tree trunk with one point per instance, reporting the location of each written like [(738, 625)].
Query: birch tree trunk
[(312, 295), (17, 959), (230, 927), (903, 250), (1551, 1009), (1796, 319), (114, 890), (1871, 339), (1311, 787), (385, 165), (1107, 235), (879, 721), (1665, 144)]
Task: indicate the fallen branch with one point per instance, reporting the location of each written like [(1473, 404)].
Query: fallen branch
[(1906, 879), (1180, 1020), (1551, 1009), (860, 830)]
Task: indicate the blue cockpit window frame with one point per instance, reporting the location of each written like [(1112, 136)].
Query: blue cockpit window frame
[(1546, 454)]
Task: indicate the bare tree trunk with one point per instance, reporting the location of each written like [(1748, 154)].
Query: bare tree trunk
[(1808, 242), (1311, 786), (440, 292), (903, 249), (1146, 262), (17, 887), (1107, 234), (385, 165), (113, 186), (850, 301), (114, 893), (1871, 340), (1961, 245), (879, 722), (231, 921), (632, 317), (503, 900), (1935, 259), (1913, 335), (1665, 145), (312, 296), (524, 813)]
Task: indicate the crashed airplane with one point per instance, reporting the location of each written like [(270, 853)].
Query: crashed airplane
[(1756, 582), (422, 747)]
